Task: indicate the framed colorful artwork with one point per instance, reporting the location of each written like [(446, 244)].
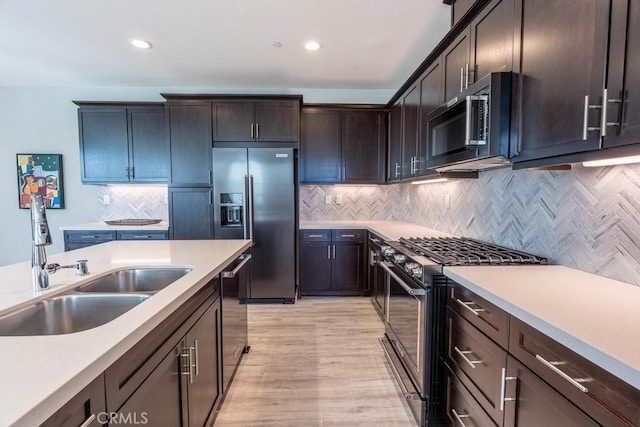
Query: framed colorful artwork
[(40, 173)]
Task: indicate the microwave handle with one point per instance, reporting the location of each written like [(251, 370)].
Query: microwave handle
[(467, 128)]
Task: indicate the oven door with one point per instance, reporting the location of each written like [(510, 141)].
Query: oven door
[(406, 307)]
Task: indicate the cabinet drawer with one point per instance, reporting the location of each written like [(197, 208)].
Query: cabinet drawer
[(462, 408), (491, 320), (89, 236), (142, 235), (607, 399), (477, 361), (315, 235), (84, 406), (347, 235)]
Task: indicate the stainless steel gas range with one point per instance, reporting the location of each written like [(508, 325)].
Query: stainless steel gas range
[(414, 314)]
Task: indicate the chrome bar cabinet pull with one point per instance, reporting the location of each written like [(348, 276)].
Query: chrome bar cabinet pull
[(463, 354), (466, 304), (459, 417), (573, 381), (503, 386), (88, 421)]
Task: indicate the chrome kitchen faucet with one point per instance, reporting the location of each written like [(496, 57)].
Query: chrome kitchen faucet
[(41, 237)]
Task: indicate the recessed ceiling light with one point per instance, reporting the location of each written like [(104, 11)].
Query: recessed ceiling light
[(140, 43), (312, 45)]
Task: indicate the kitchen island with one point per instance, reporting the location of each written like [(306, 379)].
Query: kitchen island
[(41, 373)]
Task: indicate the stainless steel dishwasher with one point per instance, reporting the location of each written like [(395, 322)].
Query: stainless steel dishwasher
[(235, 284)]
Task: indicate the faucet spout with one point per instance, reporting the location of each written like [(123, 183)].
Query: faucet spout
[(41, 237)]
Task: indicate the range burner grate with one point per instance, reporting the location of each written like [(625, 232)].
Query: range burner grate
[(466, 251)]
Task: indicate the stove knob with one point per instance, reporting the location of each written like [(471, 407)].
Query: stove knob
[(417, 272), (387, 250), (410, 267), (399, 258)]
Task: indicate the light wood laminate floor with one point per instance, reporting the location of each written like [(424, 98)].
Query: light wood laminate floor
[(317, 362)]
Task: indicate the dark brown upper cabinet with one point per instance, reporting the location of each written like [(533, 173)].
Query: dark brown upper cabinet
[(394, 169), (320, 151), (431, 97), (485, 46), (459, 8), (623, 85), (342, 145), (562, 68), (122, 143), (363, 144), (190, 143), (410, 122), (261, 121)]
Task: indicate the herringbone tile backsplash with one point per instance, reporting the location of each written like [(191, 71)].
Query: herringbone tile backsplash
[(133, 202), (585, 218)]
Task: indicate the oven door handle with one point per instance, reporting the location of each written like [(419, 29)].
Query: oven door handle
[(410, 291)]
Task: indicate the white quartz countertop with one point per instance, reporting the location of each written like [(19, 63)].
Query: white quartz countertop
[(39, 374), (103, 226), (597, 317), (389, 230)]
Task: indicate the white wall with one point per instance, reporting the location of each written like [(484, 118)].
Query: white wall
[(44, 120)]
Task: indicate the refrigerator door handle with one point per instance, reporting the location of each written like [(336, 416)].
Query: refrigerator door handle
[(250, 208), (245, 211)]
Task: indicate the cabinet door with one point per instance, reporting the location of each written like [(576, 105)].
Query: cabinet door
[(148, 145), (315, 268), (462, 408), (320, 150), (431, 97), (204, 388), (190, 143), (562, 59), (459, 8), (89, 404), (455, 61), (624, 69), (492, 40), (348, 266), (277, 121), (394, 171), (190, 213), (532, 402), (410, 121), (363, 146), (104, 147), (233, 121), (157, 401)]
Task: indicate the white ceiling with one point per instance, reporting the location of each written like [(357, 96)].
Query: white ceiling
[(368, 44)]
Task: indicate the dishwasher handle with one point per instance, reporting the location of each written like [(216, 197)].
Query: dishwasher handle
[(231, 274)]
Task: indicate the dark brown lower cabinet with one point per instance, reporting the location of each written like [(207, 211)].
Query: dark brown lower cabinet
[(315, 267), (185, 387), (157, 401), (200, 365), (332, 262), (171, 377), (462, 408), (85, 409), (529, 401)]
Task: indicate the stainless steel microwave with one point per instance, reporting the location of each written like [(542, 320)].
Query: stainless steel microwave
[(472, 131)]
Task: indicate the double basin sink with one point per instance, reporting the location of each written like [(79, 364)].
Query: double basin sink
[(91, 304)]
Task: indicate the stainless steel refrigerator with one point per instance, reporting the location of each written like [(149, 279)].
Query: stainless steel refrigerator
[(255, 198)]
